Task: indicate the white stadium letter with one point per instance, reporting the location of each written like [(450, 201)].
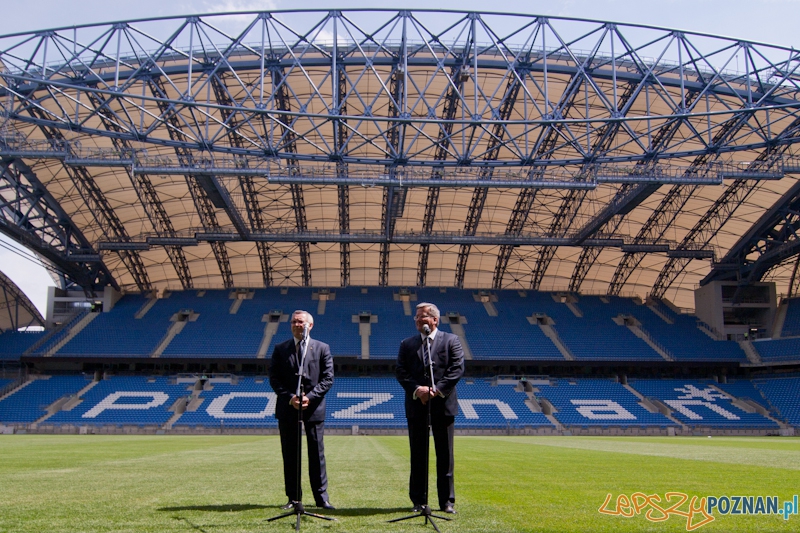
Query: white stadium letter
[(218, 405), (109, 402), (602, 410), (680, 406), (468, 408), (357, 410)]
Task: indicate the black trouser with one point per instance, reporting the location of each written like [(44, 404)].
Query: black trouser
[(443, 431), (317, 474)]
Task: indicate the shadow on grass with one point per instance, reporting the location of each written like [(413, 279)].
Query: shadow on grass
[(364, 511), (224, 508), (238, 507)]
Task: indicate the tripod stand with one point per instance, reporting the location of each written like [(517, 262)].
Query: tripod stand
[(298, 509), (425, 510)]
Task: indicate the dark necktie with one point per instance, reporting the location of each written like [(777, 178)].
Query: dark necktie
[(427, 353)]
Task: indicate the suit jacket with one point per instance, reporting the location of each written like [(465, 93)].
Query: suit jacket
[(448, 367), (316, 383)]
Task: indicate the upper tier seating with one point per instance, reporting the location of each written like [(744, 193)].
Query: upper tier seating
[(212, 331), (119, 334), (14, 343), (783, 394), (697, 403), (682, 339), (773, 350), (598, 402), (217, 332), (791, 324), (510, 335), (30, 403)]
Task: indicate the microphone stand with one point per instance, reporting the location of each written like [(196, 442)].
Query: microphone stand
[(299, 510), (426, 509)]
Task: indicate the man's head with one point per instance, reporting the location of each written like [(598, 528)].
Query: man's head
[(299, 321), (427, 314)]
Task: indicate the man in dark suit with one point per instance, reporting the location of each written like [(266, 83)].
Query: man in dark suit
[(412, 372), (317, 381)]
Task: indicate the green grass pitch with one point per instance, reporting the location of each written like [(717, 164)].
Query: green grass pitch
[(221, 484)]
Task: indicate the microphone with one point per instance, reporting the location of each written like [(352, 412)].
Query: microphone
[(305, 332), (426, 329)]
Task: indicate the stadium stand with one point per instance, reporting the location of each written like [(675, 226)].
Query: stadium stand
[(791, 324), (119, 333), (233, 402), (744, 389), (124, 400), (393, 324), (336, 325), (210, 329), (783, 396), (217, 332), (487, 405), (598, 402), (698, 403), (490, 337), (682, 339), (30, 402), (250, 402), (595, 336), (14, 343), (777, 350)]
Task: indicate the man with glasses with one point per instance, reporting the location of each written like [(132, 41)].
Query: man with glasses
[(317, 381), (414, 360)]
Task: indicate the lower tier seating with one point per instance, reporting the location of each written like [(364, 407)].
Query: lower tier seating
[(378, 402)]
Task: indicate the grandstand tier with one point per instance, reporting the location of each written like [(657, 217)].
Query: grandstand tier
[(376, 403), (369, 323)]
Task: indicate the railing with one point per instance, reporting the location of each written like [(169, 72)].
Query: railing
[(54, 333), (48, 341)]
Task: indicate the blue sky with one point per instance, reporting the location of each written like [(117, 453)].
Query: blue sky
[(769, 21)]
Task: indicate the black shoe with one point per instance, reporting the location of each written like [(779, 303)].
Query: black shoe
[(449, 509), (289, 505), (326, 505), (417, 508)]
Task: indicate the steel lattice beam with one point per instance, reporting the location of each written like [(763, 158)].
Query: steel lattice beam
[(101, 210), (715, 218), (340, 127), (450, 107), (393, 200), (485, 103), (32, 217), (770, 241), (202, 202), (148, 196), (251, 200), (479, 194), (670, 207), (283, 103)]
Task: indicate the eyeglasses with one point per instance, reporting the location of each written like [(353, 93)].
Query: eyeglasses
[(422, 317)]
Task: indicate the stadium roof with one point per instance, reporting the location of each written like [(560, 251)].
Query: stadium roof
[(400, 148), (16, 310)]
